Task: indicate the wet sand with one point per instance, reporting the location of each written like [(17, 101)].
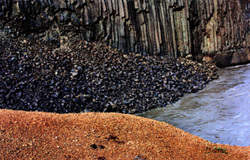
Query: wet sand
[(39, 135)]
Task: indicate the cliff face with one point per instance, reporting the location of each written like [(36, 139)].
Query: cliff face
[(174, 27)]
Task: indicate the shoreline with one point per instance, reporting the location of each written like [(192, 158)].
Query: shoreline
[(102, 136)]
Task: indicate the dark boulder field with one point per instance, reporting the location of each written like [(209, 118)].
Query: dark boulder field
[(80, 76)]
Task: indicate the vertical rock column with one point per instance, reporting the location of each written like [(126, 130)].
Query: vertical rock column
[(151, 27), (218, 25)]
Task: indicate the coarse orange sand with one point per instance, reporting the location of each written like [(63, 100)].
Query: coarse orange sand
[(103, 136)]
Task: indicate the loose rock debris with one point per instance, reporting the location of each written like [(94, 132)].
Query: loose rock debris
[(91, 77)]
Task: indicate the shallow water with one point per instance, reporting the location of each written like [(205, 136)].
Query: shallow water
[(220, 113)]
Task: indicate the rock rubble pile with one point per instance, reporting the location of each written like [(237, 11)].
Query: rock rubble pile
[(82, 77)]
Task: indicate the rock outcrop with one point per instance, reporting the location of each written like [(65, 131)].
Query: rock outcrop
[(154, 27)]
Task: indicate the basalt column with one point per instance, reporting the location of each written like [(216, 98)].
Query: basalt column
[(153, 27)]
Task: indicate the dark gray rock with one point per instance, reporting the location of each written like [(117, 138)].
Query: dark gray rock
[(153, 27), (81, 77)]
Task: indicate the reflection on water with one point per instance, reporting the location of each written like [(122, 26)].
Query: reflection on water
[(220, 113)]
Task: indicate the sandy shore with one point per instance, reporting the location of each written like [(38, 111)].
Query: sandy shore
[(37, 135)]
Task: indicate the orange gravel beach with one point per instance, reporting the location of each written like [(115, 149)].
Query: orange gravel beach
[(102, 136)]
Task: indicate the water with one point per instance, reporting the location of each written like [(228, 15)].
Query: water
[(220, 113)]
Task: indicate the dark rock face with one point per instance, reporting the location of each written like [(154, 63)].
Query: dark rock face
[(224, 59), (239, 57), (155, 27), (81, 76)]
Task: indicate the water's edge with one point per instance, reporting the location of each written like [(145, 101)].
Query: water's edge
[(219, 113)]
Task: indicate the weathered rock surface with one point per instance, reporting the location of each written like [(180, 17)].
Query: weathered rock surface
[(173, 27), (224, 59)]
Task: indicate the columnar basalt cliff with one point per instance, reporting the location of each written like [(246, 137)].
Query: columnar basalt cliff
[(154, 27)]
